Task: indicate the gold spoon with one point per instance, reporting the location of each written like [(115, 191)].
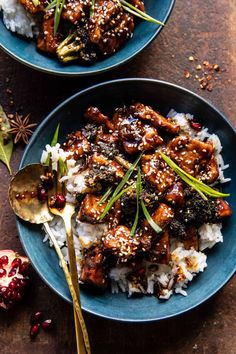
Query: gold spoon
[(24, 202)]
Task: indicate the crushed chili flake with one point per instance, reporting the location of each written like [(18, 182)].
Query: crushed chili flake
[(208, 76)]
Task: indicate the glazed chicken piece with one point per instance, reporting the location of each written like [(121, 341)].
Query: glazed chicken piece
[(30, 7), (47, 41), (162, 217), (74, 10), (77, 144), (118, 243), (110, 26), (157, 172), (90, 211), (195, 157), (102, 162), (92, 268), (137, 136), (102, 170), (147, 114), (112, 138), (175, 194), (160, 252), (93, 114), (191, 239), (223, 208)]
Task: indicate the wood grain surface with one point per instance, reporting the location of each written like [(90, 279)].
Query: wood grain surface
[(202, 28)]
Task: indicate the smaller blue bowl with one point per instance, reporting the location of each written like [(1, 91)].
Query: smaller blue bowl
[(221, 259), (25, 51)]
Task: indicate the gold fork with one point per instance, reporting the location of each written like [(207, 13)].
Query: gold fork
[(66, 213)]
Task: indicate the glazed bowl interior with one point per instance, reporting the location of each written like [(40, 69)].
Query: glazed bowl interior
[(25, 50), (163, 96)]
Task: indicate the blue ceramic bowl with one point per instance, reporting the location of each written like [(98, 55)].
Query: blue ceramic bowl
[(25, 50), (164, 96)]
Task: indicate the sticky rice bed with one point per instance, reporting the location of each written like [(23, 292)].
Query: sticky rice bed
[(184, 264), (17, 19)]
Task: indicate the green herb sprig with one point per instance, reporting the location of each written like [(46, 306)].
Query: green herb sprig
[(136, 12), (105, 196), (138, 193), (36, 2), (150, 219), (53, 143), (119, 187), (199, 186)]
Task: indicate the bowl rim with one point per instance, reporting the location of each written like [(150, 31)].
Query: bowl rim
[(61, 72), (42, 126)]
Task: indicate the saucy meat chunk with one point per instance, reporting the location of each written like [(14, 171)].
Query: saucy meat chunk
[(175, 194), (92, 268), (223, 208), (137, 136), (147, 114), (157, 172), (160, 252), (74, 10), (77, 144), (191, 239), (110, 26), (94, 115), (48, 41), (162, 216), (195, 157), (90, 211), (29, 6), (119, 243)]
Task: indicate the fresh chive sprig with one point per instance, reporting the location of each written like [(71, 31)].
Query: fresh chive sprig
[(138, 192), (149, 219), (136, 12), (114, 199), (199, 186), (57, 16), (36, 2), (105, 196)]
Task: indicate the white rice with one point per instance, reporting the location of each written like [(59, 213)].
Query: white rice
[(184, 264), (16, 18)]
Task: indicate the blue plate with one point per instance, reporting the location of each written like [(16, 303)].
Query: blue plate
[(25, 50), (164, 96)]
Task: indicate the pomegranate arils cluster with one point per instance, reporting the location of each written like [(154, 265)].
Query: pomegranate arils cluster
[(12, 277), (37, 321)]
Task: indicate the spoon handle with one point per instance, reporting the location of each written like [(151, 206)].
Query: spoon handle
[(81, 332)]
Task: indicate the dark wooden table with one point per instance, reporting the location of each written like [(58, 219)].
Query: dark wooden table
[(201, 28)]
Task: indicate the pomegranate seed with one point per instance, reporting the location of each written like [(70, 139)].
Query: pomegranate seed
[(16, 262), (4, 260), (13, 285), (37, 317), (42, 193), (59, 201), (12, 272), (34, 330), (18, 297), (3, 289), (13, 295), (2, 272), (195, 125), (23, 268), (47, 324)]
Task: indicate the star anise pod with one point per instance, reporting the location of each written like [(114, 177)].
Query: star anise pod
[(21, 128)]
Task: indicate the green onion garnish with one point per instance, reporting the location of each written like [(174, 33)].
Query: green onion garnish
[(138, 192), (134, 11), (149, 219), (57, 16), (92, 8), (51, 5), (105, 196), (113, 200), (36, 2), (199, 186), (55, 136), (62, 167)]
